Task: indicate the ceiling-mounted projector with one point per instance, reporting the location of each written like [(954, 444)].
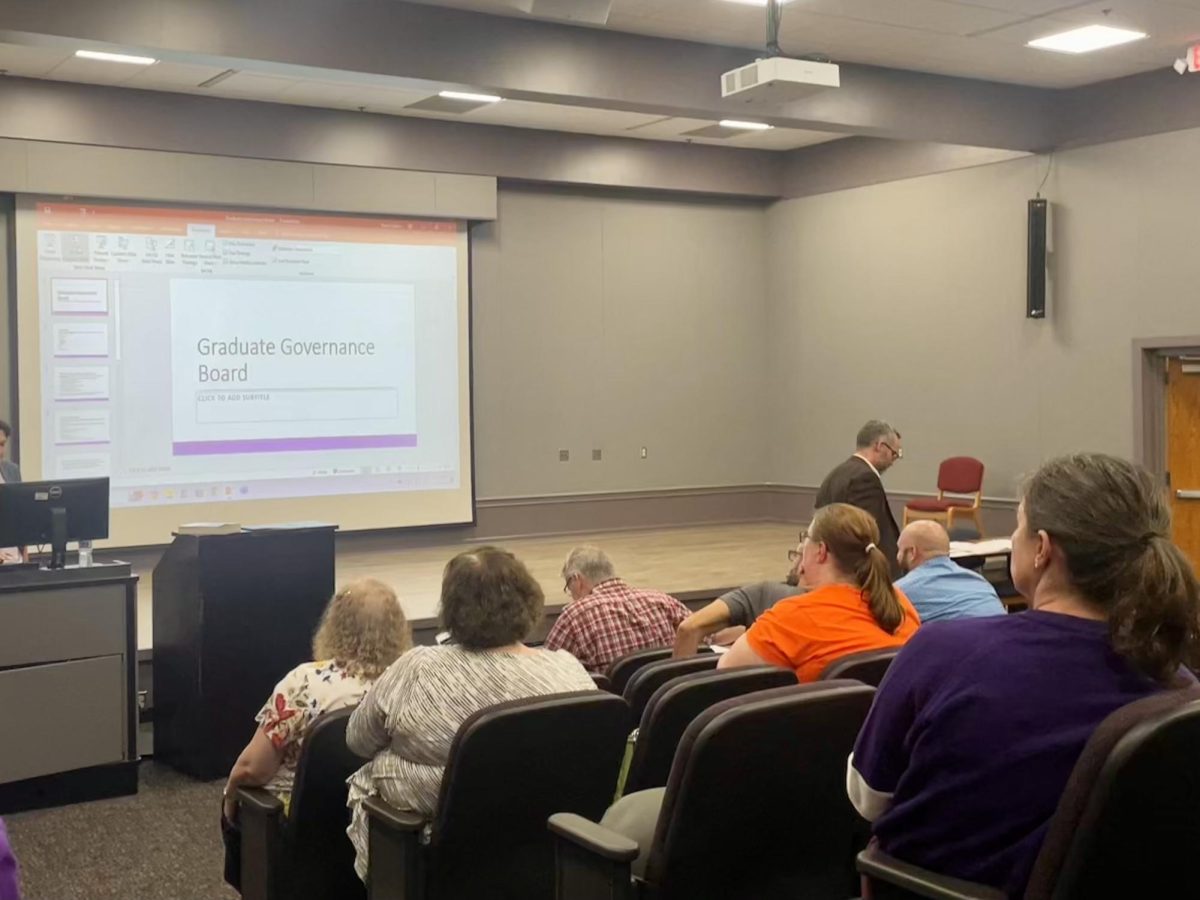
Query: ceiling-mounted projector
[(778, 79)]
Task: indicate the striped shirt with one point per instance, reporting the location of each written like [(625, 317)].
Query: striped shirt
[(408, 720), (614, 620)]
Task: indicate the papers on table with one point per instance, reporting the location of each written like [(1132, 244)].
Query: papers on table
[(992, 547)]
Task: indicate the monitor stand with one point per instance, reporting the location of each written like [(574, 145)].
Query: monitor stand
[(58, 537)]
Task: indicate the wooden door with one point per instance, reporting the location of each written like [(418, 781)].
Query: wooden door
[(1183, 453)]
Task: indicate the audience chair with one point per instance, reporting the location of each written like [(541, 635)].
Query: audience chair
[(869, 666), (674, 706), (962, 475), (602, 682), (306, 854), (621, 670), (511, 766), (648, 679), (755, 807), (1126, 825)]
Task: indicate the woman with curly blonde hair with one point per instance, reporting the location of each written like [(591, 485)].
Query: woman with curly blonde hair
[(361, 633)]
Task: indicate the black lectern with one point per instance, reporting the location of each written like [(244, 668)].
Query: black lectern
[(233, 613)]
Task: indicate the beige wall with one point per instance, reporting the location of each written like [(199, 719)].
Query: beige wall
[(906, 301), (617, 323)]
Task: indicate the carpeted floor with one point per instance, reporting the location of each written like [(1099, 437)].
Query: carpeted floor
[(162, 844)]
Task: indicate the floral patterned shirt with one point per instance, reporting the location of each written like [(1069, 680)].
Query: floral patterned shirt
[(304, 693)]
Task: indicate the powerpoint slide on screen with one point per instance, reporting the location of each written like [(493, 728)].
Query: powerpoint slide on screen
[(196, 355)]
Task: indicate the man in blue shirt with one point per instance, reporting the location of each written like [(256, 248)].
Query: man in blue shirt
[(938, 587)]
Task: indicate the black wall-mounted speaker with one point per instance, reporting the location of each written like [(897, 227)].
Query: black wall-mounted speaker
[(1035, 290)]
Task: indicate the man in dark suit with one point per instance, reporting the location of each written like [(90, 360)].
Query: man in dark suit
[(858, 482)]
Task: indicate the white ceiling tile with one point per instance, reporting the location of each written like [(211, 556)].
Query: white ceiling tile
[(251, 86), (523, 114), (30, 62), (93, 71), (927, 15), (171, 76)]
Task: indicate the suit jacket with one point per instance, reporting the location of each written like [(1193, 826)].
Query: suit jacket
[(10, 471), (854, 482)]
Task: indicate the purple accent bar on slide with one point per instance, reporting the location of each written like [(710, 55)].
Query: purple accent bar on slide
[(285, 445)]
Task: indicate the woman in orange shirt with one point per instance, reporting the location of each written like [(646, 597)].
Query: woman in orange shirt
[(851, 607)]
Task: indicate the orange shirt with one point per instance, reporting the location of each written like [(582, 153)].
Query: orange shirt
[(808, 632)]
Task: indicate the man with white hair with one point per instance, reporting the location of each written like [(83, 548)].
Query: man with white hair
[(936, 585), (859, 481), (607, 618)]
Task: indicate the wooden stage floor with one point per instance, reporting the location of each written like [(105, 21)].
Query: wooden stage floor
[(695, 558)]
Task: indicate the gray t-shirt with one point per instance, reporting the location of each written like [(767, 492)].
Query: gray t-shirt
[(748, 603)]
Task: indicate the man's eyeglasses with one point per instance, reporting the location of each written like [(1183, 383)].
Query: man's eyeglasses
[(897, 452), (794, 555), (567, 583)]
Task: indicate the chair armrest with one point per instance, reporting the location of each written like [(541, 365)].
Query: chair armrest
[(396, 865), (593, 838), (260, 818), (591, 862), (888, 873)]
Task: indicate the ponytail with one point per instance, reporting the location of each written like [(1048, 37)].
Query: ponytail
[(1153, 621), (874, 576), (1111, 521)]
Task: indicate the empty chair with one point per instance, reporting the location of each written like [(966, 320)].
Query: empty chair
[(648, 679), (602, 681), (1126, 825), (621, 670), (869, 667), (961, 475), (674, 706), (511, 766), (305, 854), (755, 807)]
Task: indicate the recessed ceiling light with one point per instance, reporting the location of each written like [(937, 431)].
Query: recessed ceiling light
[(747, 126), (469, 97), (116, 57), (1087, 39)]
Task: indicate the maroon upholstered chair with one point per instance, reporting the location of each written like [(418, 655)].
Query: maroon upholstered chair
[(755, 806), (1125, 826), (960, 475)]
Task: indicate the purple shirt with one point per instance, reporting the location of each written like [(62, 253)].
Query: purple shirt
[(976, 729), (10, 884)]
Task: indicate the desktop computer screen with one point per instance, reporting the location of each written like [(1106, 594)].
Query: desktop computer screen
[(33, 513)]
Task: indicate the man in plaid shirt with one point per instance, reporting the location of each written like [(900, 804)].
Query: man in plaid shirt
[(607, 618)]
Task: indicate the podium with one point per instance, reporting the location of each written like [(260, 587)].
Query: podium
[(233, 613)]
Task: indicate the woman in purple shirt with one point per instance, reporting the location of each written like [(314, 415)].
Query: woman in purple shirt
[(979, 722), (10, 883)]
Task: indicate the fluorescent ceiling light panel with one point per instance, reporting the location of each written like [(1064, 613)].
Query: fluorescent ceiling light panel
[(469, 97), (746, 126), (116, 57), (1087, 39)]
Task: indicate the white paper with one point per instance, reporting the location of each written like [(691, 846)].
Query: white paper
[(992, 547)]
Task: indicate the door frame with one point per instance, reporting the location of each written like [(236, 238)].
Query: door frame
[(1149, 397)]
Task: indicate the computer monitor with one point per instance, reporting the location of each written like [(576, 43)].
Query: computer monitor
[(53, 512)]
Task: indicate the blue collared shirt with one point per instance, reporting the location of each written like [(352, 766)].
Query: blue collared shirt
[(942, 589)]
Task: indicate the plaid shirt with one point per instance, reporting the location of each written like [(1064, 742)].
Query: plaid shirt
[(613, 620)]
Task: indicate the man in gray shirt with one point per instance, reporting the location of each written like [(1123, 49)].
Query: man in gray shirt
[(736, 609)]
